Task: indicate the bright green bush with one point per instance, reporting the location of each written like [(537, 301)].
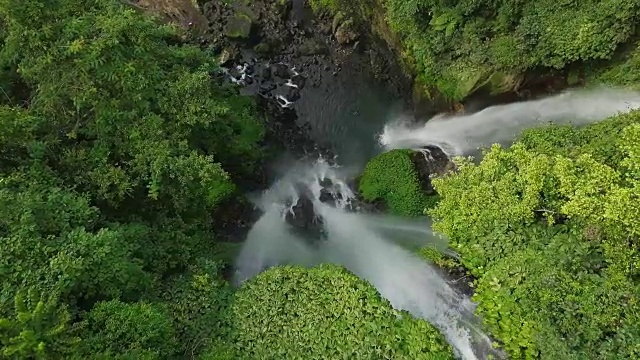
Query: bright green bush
[(392, 177), (325, 313), (115, 147), (551, 228)]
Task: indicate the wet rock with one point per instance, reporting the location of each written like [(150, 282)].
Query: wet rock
[(312, 47), (299, 81), (303, 219), (280, 70), (233, 218), (293, 94), (265, 73), (431, 161), (238, 27), (284, 7), (250, 13)]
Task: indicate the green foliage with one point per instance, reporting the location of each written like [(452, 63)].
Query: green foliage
[(115, 147), (445, 39), (551, 229), (129, 330), (38, 328), (435, 256), (198, 305), (292, 313), (49, 241), (392, 177)]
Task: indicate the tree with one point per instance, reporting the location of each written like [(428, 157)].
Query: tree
[(39, 327)]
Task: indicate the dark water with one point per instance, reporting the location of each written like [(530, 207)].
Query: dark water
[(347, 112)]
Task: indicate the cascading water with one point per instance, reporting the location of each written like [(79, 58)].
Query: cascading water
[(366, 244), (461, 135), (375, 247)]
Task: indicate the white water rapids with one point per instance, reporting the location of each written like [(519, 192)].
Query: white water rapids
[(376, 247)]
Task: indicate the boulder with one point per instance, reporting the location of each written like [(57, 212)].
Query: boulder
[(304, 221), (431, 161), (238, 27)]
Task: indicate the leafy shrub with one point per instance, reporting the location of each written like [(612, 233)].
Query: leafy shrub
[(293, 313), (115, 147), (129, 330), (392, 177), (198, 305)]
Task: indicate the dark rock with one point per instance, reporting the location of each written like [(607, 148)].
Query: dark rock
[(293, 94), (280, 70), (238, 27), (431, 161), (303, 219), (263, 48), (265, 73), (327, 197), (299, 81), (312, 47), (283, 7), (233, 219)]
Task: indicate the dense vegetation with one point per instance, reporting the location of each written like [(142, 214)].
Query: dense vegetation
[(392, 177), (457, 47), (551, 228), (326, 312), (114, 145), (117, 146)]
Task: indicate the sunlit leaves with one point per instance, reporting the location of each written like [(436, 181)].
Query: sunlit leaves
[(392, 177), (550, 226), (39, 327)]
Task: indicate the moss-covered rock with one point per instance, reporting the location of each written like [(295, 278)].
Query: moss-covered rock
[(238, 27)]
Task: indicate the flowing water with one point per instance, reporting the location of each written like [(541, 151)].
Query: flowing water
[(378, 247), (462, 135), (374, 247)]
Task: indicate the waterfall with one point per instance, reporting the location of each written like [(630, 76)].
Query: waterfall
[(374, 247), (464, 134)]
